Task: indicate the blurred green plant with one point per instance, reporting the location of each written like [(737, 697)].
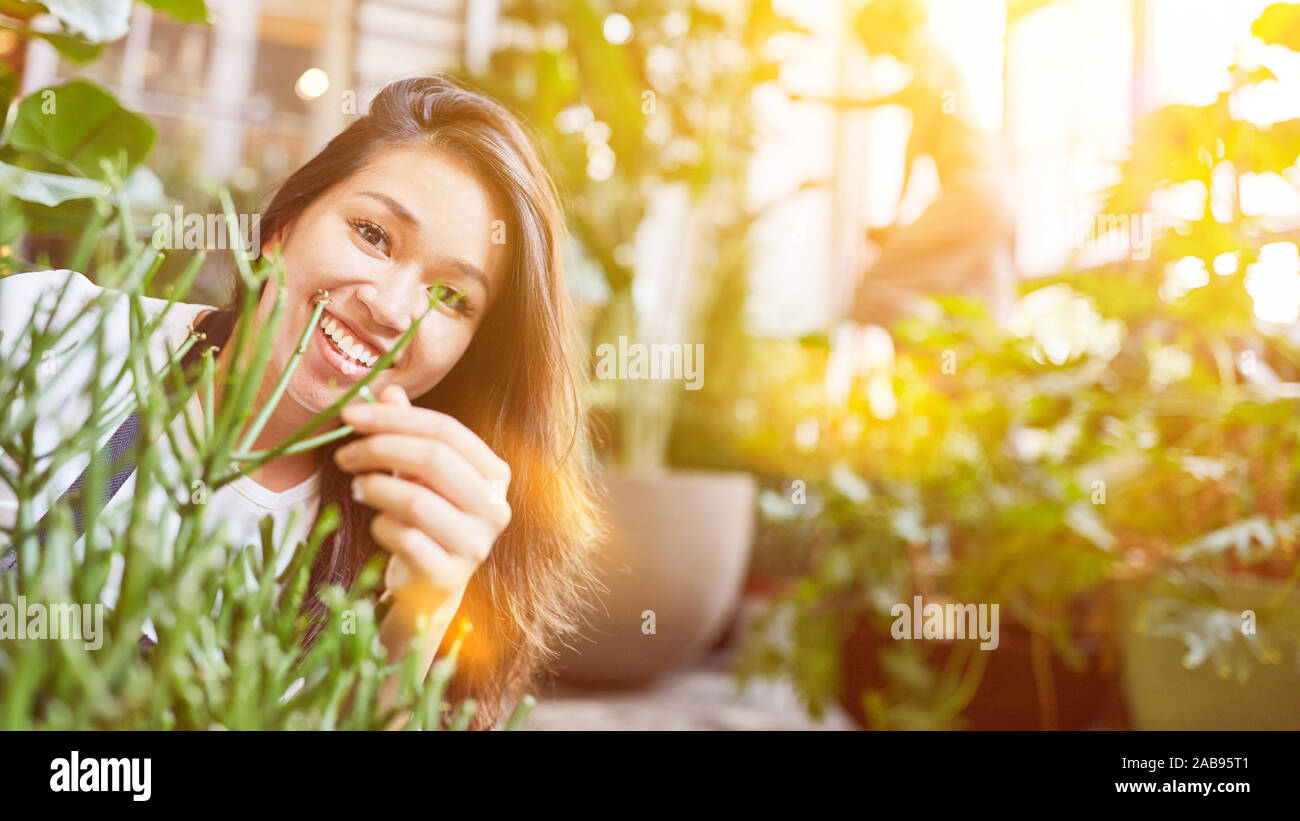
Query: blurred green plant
[(63, 148), (229, 654), (1130, 423), (633, 99)]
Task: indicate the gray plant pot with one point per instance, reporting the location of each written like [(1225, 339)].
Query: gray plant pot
[(1164, 695), (675, 564)]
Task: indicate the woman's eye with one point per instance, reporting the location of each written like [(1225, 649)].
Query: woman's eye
[(372, 234), (449, 296)]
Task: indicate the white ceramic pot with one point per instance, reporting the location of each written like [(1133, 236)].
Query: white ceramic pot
[(674, 568)]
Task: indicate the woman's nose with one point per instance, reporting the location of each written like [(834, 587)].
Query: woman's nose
[(392, 305)]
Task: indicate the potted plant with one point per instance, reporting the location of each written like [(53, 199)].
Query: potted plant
[(646, 116), (933, 484), (1208, 601), (1126, 441)]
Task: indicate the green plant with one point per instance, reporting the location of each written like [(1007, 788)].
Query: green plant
[(938, 490), (65, 147), (1129, 422), (1014, 478), (1220, 486), (665, 110), (229, 655)]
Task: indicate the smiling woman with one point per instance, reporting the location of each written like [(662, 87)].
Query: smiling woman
[(472, 470), (406, 217), (480, 485)]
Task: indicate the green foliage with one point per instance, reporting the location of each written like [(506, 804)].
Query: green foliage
[(47, 189), (100, 129), (182, 11), (85, 25), (64, 146), (1116, 427), (230, 654), (669, 106), (8, 87)]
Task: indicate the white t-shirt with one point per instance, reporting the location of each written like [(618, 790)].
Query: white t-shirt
[(238, 506)]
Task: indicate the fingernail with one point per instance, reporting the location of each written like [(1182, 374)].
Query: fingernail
[(357, 495)]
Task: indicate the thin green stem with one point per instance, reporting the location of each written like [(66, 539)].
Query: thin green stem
[(298, 447), (304, 431), (521, 712), (283, 382), (208, 380), (236, 242)]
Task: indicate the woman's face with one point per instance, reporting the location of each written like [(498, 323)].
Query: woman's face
[(378, 241)]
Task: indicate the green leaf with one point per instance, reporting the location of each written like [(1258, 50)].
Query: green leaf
[(21, 9), (99, 21), (47, 189), (77, 124), (13, 224), (182, 11), (8, 85), (73, 49)]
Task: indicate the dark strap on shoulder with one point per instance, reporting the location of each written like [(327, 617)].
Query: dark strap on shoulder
[(126, 435)]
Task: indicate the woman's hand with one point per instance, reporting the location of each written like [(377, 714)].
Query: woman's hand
[(439, 490)]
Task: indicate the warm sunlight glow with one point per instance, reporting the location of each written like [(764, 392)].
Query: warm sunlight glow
[(313, 83), (1274, 282), (618, 29)]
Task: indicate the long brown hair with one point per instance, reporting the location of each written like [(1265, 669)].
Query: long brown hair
[(517, 386)]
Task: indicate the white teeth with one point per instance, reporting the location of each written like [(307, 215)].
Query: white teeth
[(346, 345)]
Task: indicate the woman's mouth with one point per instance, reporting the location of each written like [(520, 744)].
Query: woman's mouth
[(344, 352)]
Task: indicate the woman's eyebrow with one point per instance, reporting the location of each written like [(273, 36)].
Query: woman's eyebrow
[(396, 207), (400, 211), (472, 272)]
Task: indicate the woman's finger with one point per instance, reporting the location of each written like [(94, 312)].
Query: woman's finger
[(399, 574), (429, 461), (416, 421), (416, 505), (395, 395), (426, 557)]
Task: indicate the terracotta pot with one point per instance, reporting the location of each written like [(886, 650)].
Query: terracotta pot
[(1008, 696), (769, 587), (675, 565), (1164, 695)]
